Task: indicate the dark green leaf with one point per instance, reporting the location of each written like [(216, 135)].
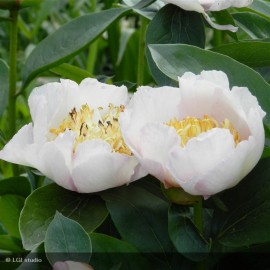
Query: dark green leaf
[(40, 207), (15, 185), (66, 240), (136, 210), (184, 234), (10, 208), (175, 60), (4, 71), (71, 72), (173, 25), (110, 252), (250, 53), (247, 220), (68, 41), (254, 25)]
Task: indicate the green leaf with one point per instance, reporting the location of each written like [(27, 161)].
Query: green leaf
[(136, 210), (68, 41), (11, 206), (71, 72), (10, 243), (4, 71), (250, 53), (66, 240), (184, 234), (110, 252), (260, 7), (15, 185), (254, 25), (175, 60), (89, 210), (247, 220), (173, 25), (223, 17)]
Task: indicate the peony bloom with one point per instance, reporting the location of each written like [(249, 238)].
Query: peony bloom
[(70, 265), (202, 6), (75, 137), (202, 136)]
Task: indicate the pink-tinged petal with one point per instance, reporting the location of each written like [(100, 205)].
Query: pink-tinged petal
[(149, 105), (200, 155), (97, 94), (96, 168), (56, 160), (20, 149), (226, 174), (71, 265), (156, 143), (191, 5)]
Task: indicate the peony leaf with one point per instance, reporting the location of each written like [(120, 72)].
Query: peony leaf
[(68, 41), (136, 210), (254, 25), (41, 205), (4, 86), (110, 252), (173, 25), (15, 185), (244, 52), (247, 220), (185, 236), (175, 60), (66, 240)]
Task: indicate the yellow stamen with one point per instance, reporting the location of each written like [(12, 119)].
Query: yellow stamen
[(191, 127), (106, 127)]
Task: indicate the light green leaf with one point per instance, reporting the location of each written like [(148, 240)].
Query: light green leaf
[(66, 240), (68, 41)]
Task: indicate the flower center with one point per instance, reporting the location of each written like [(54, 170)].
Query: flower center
[(95, 124), (191, 127)]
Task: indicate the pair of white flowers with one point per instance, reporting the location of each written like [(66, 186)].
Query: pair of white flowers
[(203, 6), (200, 136)]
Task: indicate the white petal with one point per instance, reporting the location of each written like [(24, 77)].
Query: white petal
[(228, 27), (20, 149), (97, 94), (101, 169), (191, 5), (225, 175), (224, 4), (200, 155), (149, 105), (71, 265), (56, 160), (156, 143)]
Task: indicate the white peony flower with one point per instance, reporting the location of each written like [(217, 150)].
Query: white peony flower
[(75, 138), (202, 137), (202, 6)]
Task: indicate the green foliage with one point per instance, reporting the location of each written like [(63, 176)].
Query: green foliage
[(66, 240)]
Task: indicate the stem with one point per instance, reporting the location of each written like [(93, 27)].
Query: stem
[(141, 59), (12, 77), (12, 73), (198, 221), (198, 215)]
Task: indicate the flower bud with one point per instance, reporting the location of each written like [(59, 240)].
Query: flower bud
[(179, 196)]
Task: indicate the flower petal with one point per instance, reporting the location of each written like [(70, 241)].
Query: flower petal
[(200, 155), (191, 5), (71, 265), (20, 149), (98, 94), (96, 168), (56, 160)]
